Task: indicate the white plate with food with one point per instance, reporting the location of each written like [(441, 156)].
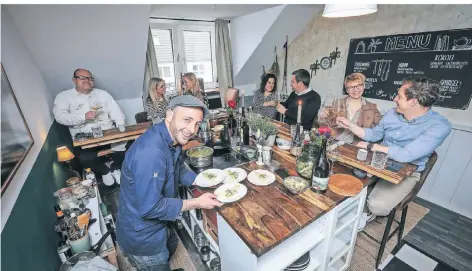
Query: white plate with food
[(210, 177), (261, 177), (230, 192), (234, 175)]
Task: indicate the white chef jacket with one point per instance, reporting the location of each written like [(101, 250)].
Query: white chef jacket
[(70, 107)]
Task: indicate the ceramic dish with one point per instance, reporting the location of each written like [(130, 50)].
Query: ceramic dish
[(210, 177), (230, 192), (234, 175), (261, 177), (295, 185)]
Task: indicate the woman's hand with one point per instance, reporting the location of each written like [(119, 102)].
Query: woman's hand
[(343, 122), (271, 103)]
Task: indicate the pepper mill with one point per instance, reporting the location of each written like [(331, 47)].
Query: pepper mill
[(259, 155)]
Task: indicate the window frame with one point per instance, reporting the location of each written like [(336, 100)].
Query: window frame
[(177, 28)]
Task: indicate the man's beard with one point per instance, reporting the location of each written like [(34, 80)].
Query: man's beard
[(175, 133)]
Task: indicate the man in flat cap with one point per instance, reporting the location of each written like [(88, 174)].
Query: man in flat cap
[(150, 176)]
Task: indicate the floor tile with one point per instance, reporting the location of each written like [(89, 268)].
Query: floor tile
[(416, 259), (397, 265)]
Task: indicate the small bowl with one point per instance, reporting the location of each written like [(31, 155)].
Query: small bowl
[(301, 184), (283, 144), (250, 153)]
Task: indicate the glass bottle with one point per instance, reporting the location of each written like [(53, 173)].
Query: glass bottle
[(307, 159), (321, 171)]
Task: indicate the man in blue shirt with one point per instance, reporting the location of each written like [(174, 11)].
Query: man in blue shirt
[(410, 132), (151, 174)]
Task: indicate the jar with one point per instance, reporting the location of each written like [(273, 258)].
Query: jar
[(307, 159)]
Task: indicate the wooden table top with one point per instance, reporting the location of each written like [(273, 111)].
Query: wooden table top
[(347, 154), (114, 135), (268, 215)]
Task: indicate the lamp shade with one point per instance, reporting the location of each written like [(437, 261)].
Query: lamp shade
[(334, 11), (64, 154)]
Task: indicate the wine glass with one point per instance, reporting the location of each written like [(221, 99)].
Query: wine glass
[(327, 105), (332, 150)]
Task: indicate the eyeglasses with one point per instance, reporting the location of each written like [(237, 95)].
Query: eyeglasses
[(80, 77), (355, 87)]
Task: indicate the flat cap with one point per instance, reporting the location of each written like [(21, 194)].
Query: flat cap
[(188, 101)]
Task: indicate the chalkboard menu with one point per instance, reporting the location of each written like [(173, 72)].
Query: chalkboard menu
[(444, 56)]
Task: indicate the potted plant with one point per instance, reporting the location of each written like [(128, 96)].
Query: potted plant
[(263, 128)]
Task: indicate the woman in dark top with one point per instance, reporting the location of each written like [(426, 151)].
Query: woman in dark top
[(264, 102)]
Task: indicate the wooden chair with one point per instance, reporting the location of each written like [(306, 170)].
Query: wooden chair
[(403, 207), (231, 94)]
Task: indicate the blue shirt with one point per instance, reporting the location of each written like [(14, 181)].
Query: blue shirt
[(149, 199), (410, 141)]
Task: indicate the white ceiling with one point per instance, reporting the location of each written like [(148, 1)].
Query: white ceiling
[(205, 12)]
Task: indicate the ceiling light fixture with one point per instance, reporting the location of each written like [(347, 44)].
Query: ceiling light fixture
[(336, 11)]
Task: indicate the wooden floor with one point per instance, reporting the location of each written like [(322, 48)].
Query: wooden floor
[(443, 235)]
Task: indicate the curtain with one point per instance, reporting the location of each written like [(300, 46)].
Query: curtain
[(150, 69), (224, 60)]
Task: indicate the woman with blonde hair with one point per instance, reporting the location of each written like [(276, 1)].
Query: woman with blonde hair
[(156, 101), (357, 108), (192, 87)]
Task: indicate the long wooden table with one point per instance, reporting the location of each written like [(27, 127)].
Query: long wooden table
[(268, 215), (114, 136)]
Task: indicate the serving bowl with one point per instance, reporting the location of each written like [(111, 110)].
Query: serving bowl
[(295, 185)]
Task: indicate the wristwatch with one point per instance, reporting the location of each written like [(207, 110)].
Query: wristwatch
[(369, 146)]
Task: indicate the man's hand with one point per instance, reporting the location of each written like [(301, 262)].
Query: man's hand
[(362, 144), (343, 122), (281, 109), (208, 201), (91, 115)]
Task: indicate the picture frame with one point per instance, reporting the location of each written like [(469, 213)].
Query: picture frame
[(16, 138)]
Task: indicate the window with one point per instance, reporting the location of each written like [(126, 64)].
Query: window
[(185, 46)]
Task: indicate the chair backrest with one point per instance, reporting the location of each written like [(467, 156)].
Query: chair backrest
[(231, 94), (424, 175), (141, 117)]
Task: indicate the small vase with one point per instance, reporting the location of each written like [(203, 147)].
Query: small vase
[(270, 141)]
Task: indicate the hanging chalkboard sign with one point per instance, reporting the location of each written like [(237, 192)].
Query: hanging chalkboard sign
[(445, 56)]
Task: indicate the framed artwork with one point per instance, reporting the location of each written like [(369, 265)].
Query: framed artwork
[(16, 139)]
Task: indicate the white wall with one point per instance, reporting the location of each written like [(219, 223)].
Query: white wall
[(323, 35), (243, 41), (291, 21), (109, 40), (130, 108), (33, 97)]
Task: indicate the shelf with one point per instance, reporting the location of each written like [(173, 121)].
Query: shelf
[(212, 242), (190, 232), (340, 264), (341, 243), (347, 214)]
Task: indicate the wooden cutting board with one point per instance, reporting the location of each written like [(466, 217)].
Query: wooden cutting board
[(345, 185)]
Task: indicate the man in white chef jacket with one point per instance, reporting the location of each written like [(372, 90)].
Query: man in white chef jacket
[(84, 107)]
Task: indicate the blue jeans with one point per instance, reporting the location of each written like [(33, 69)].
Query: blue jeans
[(157, 262)]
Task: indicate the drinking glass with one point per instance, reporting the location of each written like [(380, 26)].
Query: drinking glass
[(293, 130), (379, 159), (327, 106), (332, 151)]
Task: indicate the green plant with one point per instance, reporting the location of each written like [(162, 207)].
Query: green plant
[(258, 122)]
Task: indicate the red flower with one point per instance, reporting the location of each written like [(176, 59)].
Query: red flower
[(324, 130), (232, 104)]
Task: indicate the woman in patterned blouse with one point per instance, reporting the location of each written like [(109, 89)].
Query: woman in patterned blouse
[(264, 102), (192, 87), (156, 101)]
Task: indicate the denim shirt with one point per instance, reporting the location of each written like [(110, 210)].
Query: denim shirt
[(410, 141), (148, 199)]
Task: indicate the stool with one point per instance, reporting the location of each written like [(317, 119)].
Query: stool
[(403, 207)]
